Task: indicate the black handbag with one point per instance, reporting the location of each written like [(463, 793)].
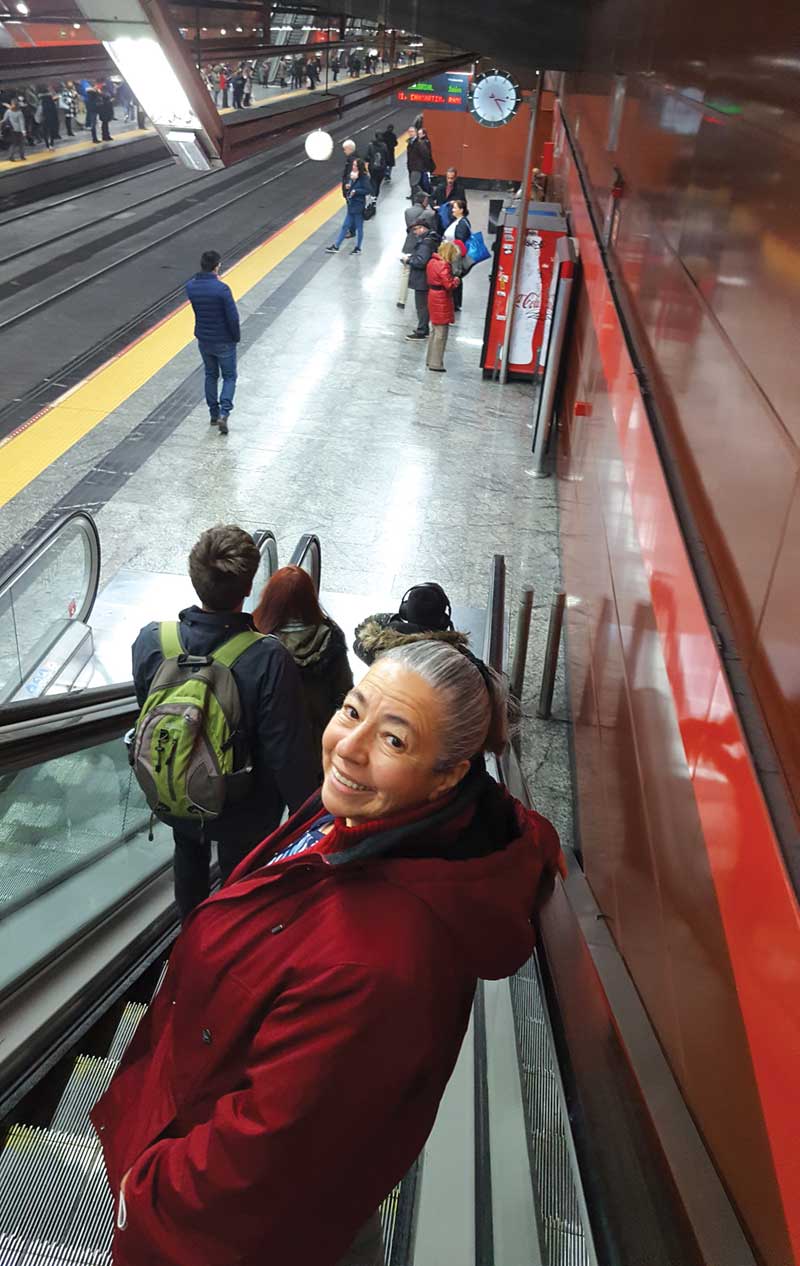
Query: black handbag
[(370, 207)]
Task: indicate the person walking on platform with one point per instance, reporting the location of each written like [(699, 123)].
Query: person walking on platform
[(273, 761), (217, 330), (13, 125), (291, 1065), (289, 608), (441, 287), (357, 189), (248, 86), (425, 244)]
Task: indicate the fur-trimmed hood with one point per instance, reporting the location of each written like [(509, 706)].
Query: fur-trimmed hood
[(380, 633)]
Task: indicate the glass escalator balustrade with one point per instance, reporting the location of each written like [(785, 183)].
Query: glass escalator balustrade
[(73, 842), (40, 602)]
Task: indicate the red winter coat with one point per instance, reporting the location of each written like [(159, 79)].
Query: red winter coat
[(440, 284), (289, 1071)]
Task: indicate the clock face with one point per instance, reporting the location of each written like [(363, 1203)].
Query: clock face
[(495, 98)]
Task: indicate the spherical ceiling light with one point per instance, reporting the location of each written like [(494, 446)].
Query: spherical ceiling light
[(319, 145)]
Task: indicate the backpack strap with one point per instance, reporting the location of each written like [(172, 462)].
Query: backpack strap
[(230, 651), (171, 644)]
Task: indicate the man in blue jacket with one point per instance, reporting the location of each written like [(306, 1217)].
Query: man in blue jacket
[(216, 328)]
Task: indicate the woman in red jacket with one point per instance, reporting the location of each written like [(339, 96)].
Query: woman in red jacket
[(291, 1065), (441, 284)]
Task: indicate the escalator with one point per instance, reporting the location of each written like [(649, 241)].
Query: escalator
[(561, 1138)]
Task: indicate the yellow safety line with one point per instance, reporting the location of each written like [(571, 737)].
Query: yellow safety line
[(49, 434), (79, 147)]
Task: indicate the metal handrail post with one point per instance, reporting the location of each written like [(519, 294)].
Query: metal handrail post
[(524, 612), (551, 655), (525, 198)]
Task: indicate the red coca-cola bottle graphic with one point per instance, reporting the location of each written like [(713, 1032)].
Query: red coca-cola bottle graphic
[(528, 302)]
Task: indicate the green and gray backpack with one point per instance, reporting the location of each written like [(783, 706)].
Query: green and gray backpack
[(182, 752)]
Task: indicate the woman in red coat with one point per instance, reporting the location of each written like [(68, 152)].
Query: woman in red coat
[(289, 1070), (441, 284)]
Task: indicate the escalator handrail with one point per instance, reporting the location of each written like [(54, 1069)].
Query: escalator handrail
[(31, 553), (494, 638), (46, 729), (266, 542), (309, 545)]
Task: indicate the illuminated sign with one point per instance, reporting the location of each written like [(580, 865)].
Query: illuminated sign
[(440, 92)]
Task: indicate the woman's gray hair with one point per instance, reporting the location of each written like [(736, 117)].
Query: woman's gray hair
[(475, 717)]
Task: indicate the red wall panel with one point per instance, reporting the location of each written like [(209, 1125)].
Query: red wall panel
[(676, 839)]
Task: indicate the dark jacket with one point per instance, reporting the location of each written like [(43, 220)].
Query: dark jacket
[(379, 633), (463, 230), (216, 319), (357, 192), (440, 194), (93, 101), (320, 653), (424, 248), (290, 1067), (106, 108), (49, 110), (418, 215), (419, 155), (377, 156), (275, 733), (389, 138)]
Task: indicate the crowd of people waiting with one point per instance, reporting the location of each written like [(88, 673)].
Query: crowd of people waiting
[(434, 259), (234, 88), (312, 1009), (44, 114)]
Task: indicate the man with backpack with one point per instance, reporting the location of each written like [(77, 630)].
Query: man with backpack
[(378, 160), (222, 743)]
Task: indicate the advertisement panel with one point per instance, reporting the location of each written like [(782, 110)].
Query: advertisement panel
[(533, 306)]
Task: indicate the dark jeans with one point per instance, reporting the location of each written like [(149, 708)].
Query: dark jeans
[(16, 141), (192, 863), (91, 123), (219, 358), (106, 135), (377, 181), (421, 302)]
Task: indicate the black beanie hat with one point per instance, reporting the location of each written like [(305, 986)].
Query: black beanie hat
[(424, 609)]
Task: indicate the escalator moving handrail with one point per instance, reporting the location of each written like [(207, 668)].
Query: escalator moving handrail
[(38, 547), (48, 706), (308, 544)]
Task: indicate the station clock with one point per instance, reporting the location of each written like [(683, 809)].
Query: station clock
[(494, 98)]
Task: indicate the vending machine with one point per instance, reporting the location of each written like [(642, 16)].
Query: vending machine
[(533, 305)]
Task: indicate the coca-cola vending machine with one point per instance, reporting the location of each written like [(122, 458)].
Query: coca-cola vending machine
[(533, 305)]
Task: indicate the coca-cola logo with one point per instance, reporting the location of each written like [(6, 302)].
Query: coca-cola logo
[(528, 301)]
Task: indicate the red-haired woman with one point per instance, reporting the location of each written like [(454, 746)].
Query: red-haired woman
[(290, 609)]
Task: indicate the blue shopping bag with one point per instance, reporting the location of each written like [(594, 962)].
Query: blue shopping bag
[(477, 250)]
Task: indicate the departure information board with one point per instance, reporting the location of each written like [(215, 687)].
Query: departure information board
[(440, 92)]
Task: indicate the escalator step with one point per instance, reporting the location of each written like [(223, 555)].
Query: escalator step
[(88, 1080), (43, 1177), (131, 1016)]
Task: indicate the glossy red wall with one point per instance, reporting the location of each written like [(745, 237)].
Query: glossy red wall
[(677, 841)]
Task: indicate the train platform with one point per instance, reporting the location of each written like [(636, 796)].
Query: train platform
[(325, 372)]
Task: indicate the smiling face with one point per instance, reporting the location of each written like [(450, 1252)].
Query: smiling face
[(380, 750)]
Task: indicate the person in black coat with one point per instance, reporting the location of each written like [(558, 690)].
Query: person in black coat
[(448, 187), (377, 161), (389, 138), (426, 243), (106, 113), (49, 117), (419, 158)]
